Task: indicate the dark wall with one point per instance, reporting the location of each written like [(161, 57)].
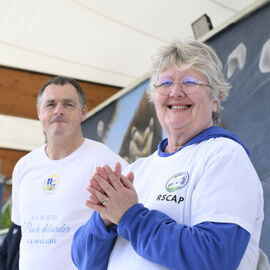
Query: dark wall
[(244, 49), (129, 122)]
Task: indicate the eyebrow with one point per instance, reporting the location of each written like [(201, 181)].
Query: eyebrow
[(165, 77), (66, 100), (69, 100)]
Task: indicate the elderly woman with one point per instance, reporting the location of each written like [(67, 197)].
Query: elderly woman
[(197, 202)]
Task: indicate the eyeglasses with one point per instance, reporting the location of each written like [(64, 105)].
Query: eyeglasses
[(188, 85)]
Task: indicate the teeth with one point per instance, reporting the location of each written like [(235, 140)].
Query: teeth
[(180, 107)]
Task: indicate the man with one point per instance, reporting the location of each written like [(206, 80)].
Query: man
[(49, 183), (9, 250)]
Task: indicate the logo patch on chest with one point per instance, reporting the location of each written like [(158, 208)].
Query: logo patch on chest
[(51, 183), (177, 181)]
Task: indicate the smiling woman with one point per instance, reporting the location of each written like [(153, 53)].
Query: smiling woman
[(197, 202), (184, 111), (183, 56)]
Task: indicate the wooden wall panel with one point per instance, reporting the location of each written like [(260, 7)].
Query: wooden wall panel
[(19, 89), (8, 160)]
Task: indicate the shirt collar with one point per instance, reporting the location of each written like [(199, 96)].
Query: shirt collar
[(211, 132)]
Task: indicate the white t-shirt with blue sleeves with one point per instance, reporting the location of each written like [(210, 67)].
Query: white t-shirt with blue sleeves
[(212, 181)]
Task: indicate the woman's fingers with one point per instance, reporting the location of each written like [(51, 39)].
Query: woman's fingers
[(94, 183), (96, 207), (117, 169), (106, 187), (102, 172), (130, 176), (93, 199), (113, 177), (127, 182), (94, 186), (111, 193), (96, 196)]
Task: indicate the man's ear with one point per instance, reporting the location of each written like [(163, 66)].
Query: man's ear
[(85, 111), (38, 112)]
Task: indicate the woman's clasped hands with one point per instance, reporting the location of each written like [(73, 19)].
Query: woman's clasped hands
[(111, 193)]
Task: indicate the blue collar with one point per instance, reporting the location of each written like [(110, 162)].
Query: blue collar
[(212, 132)]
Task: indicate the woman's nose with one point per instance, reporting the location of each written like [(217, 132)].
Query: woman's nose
[(177, 90)]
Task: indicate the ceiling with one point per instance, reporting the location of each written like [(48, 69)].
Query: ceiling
[(105, 41)]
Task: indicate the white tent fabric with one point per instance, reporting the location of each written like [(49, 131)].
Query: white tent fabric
[(105, 41), (20, 133)]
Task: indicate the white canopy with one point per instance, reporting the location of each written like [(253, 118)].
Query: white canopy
[(104, 41), (109, 42)]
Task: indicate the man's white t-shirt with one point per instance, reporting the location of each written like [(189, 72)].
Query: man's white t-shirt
[(48, 202)]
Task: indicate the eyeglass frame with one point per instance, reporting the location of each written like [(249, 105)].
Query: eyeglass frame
[(195, 82)]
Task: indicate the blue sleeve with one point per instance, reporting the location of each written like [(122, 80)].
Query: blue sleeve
[(158, 238), (92, 244)]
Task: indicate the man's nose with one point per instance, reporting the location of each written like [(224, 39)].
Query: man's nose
[(59, 109)]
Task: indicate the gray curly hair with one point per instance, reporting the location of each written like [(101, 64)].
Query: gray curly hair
[(191, 54)]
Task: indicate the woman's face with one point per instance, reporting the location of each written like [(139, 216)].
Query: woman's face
[(180, 112)]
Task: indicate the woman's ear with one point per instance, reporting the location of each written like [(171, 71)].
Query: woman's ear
[(216, 103)]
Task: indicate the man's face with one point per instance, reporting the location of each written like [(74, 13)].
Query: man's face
[(60, 112)]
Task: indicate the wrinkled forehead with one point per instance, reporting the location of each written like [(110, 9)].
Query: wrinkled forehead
[(173, 71), (174, 63), (171, 68)]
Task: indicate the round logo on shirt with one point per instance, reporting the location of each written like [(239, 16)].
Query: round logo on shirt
[(51, 183), (177, 181)]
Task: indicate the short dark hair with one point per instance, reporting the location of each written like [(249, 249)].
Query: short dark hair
[(62, 81)]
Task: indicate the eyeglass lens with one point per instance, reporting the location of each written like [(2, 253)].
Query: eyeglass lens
[(187, 83)]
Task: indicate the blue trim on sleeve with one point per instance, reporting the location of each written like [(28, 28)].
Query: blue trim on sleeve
[(92, 244), (158, 238), (212, 132)]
